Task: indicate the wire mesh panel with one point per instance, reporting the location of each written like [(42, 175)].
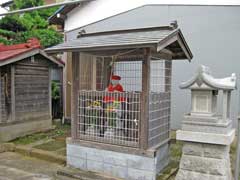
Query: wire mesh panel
[(109, 117), (131, 74), (159, 102), (114, 116)]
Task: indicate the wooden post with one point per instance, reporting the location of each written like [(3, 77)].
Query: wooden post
[(168, 81), (13, 112), (75, 94), (94, 73), (145, 99), (68, 88), (0, 96), (107, 72), (62, 94)]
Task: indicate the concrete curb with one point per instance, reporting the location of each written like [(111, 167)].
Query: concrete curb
[(41, 154), (33, 152), (7, 147), (83, 175)]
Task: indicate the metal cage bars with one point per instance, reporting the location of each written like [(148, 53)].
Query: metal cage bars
[(121, 124), (109, 117)]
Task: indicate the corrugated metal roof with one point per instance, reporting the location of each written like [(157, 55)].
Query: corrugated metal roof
[(7, 52), (13, 53), (124, 39)]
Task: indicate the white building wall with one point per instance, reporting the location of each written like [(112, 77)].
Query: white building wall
[(101, 9)]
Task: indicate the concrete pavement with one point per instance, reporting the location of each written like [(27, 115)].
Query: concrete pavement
[(14, 166)]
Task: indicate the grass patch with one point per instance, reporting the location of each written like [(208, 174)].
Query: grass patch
[(169, 172), (59, 131), (176, 150), (51, 146), (175, 156)]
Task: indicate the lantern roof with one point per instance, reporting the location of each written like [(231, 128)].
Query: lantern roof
[(204, 80)]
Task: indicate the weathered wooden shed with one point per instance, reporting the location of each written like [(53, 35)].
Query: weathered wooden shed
[(121, 99), (25, 89)]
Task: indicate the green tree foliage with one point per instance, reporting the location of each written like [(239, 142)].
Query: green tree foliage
[(55, 91), (21, 4), (20, 27)]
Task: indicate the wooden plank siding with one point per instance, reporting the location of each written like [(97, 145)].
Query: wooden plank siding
[(5, 75), (13, 107), (32, 91)]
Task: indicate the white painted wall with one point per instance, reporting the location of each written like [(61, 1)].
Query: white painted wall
[(101, 9), (1, 9)]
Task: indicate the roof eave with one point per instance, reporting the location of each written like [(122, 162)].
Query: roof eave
[(51, 58), (52, 18), (102, 48), (176, 36), (27, 54), (184, 45)]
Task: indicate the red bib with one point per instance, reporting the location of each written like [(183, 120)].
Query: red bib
[(112, 88)]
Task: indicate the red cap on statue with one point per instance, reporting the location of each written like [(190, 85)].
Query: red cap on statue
[(115, 77)]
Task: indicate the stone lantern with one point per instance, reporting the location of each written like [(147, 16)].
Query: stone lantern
[(207, 135)]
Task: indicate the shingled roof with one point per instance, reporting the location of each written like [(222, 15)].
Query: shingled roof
[(157, 38)]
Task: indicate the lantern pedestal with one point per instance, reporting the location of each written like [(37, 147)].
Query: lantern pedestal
[(205, 154), (206, 149), (201, 161)]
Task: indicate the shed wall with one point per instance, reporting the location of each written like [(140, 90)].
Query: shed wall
[(32, 89), (5, 92)]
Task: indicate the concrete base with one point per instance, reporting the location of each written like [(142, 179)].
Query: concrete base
[(117, 164), (204, 162), (210, 138), (9, 132)]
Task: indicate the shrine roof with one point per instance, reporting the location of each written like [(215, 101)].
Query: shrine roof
[(156, 38), (204, 80)]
